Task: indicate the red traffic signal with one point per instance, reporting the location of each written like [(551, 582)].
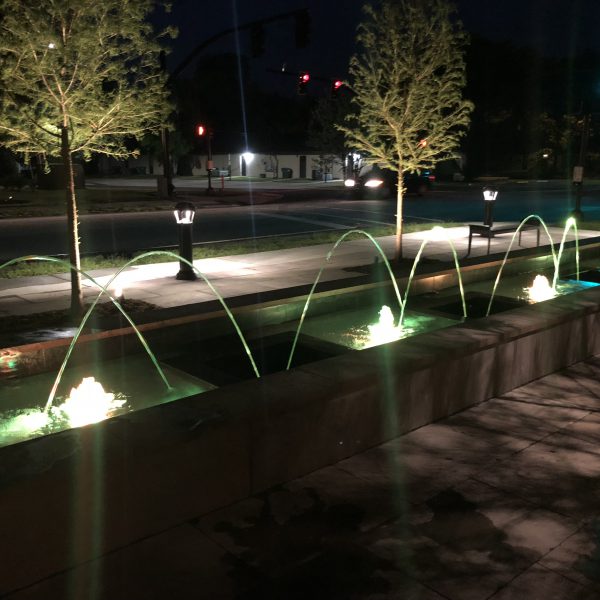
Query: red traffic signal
[(200, 130), (336, 84), (303, 79)]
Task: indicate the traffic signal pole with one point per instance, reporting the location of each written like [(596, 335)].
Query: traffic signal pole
[(302, 24)]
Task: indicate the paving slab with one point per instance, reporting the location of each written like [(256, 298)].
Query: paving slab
[(469, 540), (179, 563), (541, 583), (560, 473), (578, 557)]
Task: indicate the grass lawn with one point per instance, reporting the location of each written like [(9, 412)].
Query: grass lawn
[(51, 203)]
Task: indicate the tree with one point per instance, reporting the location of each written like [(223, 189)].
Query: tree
[(78, 77), (407, 81), (323, 134)]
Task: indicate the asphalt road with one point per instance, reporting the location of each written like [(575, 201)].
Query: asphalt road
[(301, 209)]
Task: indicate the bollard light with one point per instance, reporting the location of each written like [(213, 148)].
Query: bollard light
[(184, 213), (489, 194), (184, 216), (489, 197)]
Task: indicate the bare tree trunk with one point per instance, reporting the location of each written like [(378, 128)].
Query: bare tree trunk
[(72, 224), (399, 211)]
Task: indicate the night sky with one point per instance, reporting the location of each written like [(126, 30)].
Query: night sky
[(553, 27)]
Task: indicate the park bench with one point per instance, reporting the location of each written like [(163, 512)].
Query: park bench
[(489, 231)]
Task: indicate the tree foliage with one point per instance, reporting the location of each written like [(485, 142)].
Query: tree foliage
[(407, 80), (93, 66), (78, 77)]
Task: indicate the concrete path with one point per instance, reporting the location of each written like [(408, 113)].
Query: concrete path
[(250, 273), (499, 502)]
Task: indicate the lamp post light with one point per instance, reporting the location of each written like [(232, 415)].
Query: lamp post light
[(210, 165), (184, 216), (489, 198)]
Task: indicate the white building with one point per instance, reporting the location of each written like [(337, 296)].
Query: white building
[(293, 166)]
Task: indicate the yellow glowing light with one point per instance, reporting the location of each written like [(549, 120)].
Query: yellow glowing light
[(540, 290), (89, 403)]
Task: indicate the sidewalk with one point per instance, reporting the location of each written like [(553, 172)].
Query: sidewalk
[(250, 273)]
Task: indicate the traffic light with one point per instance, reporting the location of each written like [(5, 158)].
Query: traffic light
[(303, 79), (302, 29), (257, 40), (200, 130), (336, 84)]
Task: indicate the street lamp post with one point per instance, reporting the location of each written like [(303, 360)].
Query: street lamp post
[(578, 169), (184, 216), (209, 162), (489, 198)]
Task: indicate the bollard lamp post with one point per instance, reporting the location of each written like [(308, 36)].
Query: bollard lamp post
[(489, 198), (184, 216)]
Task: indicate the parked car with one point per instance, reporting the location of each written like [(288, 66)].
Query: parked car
[(383, 183)]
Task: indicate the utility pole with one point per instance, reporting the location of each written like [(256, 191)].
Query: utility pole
[(578, 169)]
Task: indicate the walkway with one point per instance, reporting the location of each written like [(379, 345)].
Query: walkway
[(250, 273)]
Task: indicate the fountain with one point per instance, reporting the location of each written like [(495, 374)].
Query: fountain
[(88, 402), (213, 447), (541, 289)]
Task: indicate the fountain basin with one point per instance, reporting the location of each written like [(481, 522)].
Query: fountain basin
[(133, 379)]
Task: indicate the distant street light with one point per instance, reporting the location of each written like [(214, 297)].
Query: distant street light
[(184, 216)]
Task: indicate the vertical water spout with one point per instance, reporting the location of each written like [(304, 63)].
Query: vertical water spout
[(435, 234), (512, 241), (317, 279)]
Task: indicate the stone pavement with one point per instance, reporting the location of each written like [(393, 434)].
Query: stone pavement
[(250, 273), (497, 502)]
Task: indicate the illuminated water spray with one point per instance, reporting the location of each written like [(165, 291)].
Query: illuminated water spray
[(540, 287), (540, 290), (89, 403), (318, 278), (437, 233)]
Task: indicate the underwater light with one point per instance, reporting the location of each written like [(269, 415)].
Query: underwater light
[(540, 290), (89, 403), (384, 330)]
